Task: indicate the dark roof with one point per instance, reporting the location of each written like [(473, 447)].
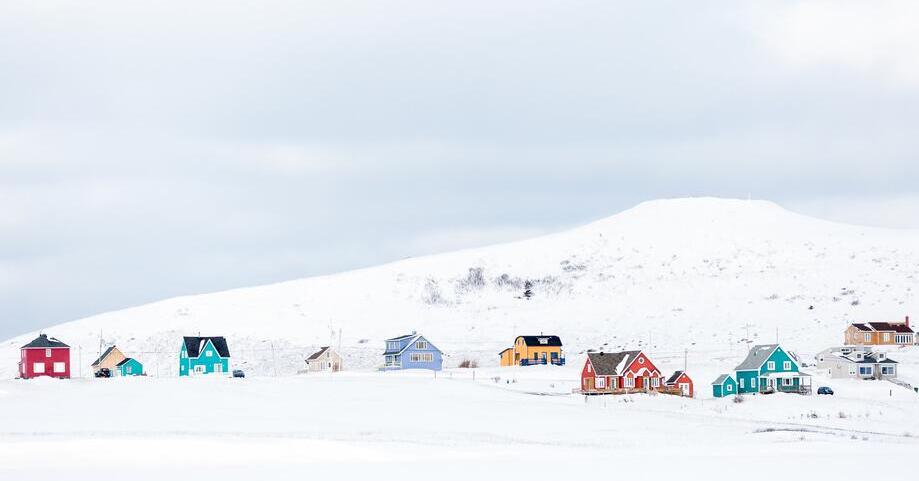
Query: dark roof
[(756, 357), (553, 341), (125, 361), (43, 341), (891, 326), (401, 337), (193, 345), (607, 363), (318, 353), (674, 377), (106, 353)]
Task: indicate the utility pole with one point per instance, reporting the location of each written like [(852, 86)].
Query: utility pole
[(685, 356), (274, 359), (80, 358)]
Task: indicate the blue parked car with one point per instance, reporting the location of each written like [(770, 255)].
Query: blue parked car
[(825, 390)]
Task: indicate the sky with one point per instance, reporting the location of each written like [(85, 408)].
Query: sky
[(155, 149)]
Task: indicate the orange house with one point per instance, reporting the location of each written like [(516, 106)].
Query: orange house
[(532, 350), (880, 334)]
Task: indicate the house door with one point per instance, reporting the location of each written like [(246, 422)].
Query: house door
[(589, 384), (684, 389)]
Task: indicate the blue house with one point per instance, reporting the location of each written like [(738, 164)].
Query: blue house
[(411, 351), (203, 355), (129, 367), (769, 368), (724, 386)]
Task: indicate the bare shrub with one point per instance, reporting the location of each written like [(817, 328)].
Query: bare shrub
[(469, 364)]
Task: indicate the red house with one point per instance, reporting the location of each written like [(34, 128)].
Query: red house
[(619, 372), (680, 384), (45, 356)]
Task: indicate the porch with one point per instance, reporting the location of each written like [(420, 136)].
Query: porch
[(785, 382), (555, 361)]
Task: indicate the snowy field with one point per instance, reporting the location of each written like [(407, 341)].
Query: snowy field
[(385, 425)]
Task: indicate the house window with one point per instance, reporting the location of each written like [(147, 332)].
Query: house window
[(421, 345), (904, 339), (786, 366), (628, 382), (770, 365), (728, 388), (199, 369), (182, 354), (886, 337), (867, 337), (641, 360), (47, 352), (209, 354), (601, 383), (655, 382), (865, 370), (218, 367), (786, 381), (38, 368), (389, 360), (544, 340), (422, 357), (59, 367), (887, 370), (589, 369), (393, 346), (753, 383), (182, 368), (740, 383), (127, 369)]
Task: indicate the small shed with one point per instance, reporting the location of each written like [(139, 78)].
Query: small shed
[(129, 367), (680, 383), (724, 386), (325, 359)]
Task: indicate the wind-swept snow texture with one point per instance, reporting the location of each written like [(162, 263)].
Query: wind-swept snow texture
[(697, 274)]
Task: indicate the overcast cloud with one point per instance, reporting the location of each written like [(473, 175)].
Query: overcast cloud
[(151, 149)]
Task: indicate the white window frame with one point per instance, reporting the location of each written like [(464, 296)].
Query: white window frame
[(47, 352), (753, 383), (38, 368), (421, 357), (886, 337), (200, 369), (786, 366), (208, 354), (641, 360), (628, 382), (867, 337), (218, 367), (60, 368), (421, 345), (770, 365), (728, 387), (888, 370), (870, 370), (600, 382), (740, 383), (655, 382), (589, 368), (787, 381)]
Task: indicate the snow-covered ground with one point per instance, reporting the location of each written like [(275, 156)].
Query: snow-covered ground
[(692, 281), (383, 425)]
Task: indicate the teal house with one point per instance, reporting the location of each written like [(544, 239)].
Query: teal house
[(724, 386), (203, 355), (129, 367), (768, 368)]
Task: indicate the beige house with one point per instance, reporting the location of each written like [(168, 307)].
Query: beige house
[(108, 360), (325, 359)]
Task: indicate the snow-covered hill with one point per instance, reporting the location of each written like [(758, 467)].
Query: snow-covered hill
[(698, 274)]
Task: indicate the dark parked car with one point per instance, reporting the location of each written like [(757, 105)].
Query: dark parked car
[(238, 373), (825, 390), (104, 372)]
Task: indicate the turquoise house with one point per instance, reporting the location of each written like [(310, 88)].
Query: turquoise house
[(203, 355), (724, 386), (129, 367), (768, 368)]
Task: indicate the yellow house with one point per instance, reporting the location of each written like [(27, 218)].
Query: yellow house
[(108, 360), (531, 350)]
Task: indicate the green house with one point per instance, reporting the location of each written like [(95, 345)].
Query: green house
[(769, 368), (129, 367), (203, 355), (725, 385)]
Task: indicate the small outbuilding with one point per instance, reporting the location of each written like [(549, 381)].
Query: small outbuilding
[(679, 383), (129, 367), (325, 359), (724, 386)]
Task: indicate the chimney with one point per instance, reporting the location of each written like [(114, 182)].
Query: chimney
[(907, 321)]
